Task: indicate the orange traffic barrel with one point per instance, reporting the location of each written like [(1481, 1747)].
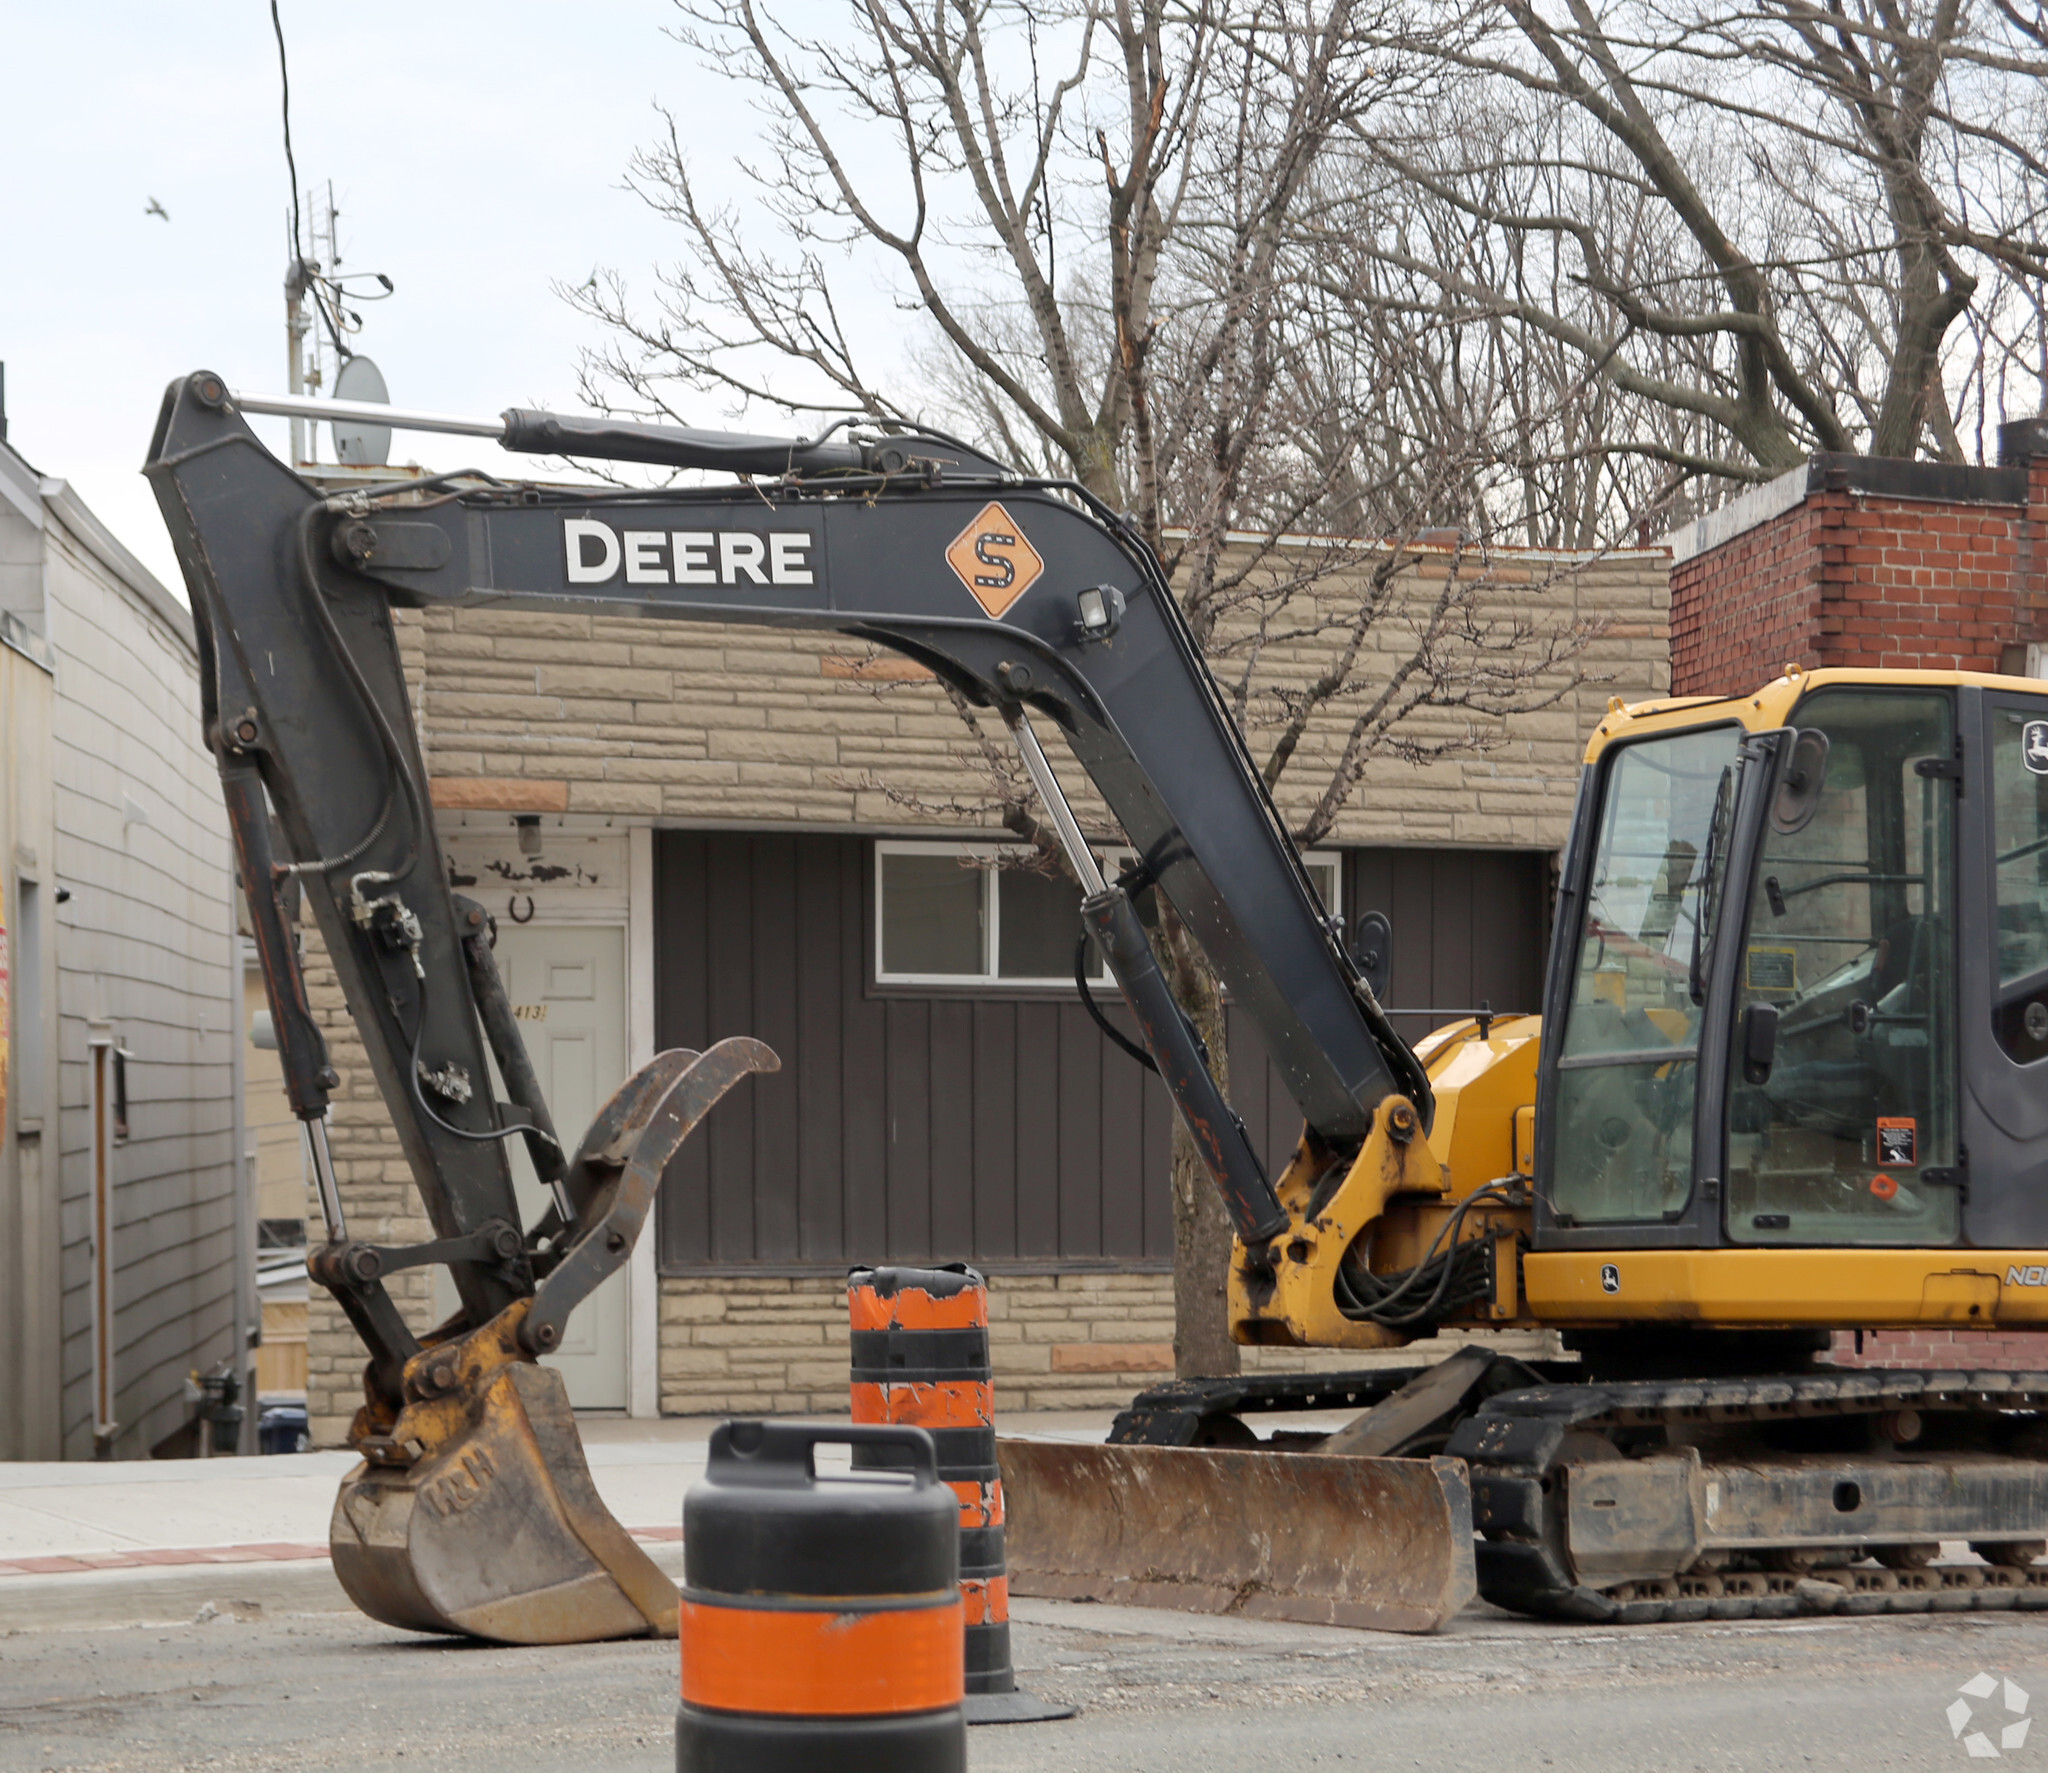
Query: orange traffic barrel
[(920, 1358), (821, 1618)]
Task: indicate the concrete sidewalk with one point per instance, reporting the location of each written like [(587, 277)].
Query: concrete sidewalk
[(144, 1541)]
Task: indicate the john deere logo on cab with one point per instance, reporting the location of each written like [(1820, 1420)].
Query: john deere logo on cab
[(596, 553)]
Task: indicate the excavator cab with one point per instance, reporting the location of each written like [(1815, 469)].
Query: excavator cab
[(1791, 1006), (1840, 1088)]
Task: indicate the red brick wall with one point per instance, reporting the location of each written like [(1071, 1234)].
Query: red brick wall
[(1860, 578), (1946, 1350), (1913, 585), (1754, 599)]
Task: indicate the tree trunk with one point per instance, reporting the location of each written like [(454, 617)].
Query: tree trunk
[(1202, 1235)]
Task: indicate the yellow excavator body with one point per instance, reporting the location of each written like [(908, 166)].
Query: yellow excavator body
[(1842, 1204), (1792, 1075), (1396, 1197)]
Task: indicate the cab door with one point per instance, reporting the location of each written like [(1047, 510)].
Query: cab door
[(1843, 1128), (2004, 998)]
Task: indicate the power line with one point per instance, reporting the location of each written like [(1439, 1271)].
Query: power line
[(284, 77)]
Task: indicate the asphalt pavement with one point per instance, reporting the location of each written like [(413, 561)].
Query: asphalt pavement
[(1156, 1691), (176, 1616)]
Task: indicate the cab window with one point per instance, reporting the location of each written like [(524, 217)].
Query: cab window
[(1851, 941), (2019, 819), (1624, 1089)]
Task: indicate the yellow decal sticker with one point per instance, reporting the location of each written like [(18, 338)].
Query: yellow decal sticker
[(1774, 969), (994, 561)]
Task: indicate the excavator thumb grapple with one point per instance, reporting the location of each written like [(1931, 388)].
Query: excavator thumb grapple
[(473, 1510)]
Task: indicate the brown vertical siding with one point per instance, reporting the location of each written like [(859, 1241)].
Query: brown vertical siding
[(1469, 926), (904, 1125), (913, 1125)]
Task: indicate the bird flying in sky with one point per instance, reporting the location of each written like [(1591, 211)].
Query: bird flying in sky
[(156, 208)]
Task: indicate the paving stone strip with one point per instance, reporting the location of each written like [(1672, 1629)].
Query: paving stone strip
[(270, 1551)]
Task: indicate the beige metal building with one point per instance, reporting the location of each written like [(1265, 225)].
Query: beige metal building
[(687, 831), (127, 1237)]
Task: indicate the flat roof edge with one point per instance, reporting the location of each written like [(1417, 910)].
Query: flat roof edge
[(1943, 483)]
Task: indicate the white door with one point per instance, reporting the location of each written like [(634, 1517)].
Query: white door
[(568, 989)]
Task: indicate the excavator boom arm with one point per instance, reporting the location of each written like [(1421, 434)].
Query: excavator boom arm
[(981, 576), (1025, 596)]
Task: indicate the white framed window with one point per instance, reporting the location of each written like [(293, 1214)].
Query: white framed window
[(1325, 868), (950, 913)]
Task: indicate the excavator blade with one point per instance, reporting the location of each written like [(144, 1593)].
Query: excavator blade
[(1381, 1543), (474, 1512)]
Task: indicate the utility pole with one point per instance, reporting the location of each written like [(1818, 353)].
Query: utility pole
[(297, 283), (307, 281)]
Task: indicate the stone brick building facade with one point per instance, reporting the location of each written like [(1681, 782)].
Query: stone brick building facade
[(613, 733)]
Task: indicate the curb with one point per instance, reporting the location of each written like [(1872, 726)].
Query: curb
[(173, 1594)]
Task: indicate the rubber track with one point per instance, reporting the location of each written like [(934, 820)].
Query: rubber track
[(1173, 1414), (1512, 1441)]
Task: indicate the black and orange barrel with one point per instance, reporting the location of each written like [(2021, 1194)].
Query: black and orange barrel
[(920, 1357), (821, 1621)]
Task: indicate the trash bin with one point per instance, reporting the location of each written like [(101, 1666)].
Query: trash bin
[(282, 1429)]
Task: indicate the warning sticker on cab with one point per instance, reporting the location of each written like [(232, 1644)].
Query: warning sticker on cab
[(1898, 1140)]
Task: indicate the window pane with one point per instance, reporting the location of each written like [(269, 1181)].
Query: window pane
[(1624, 1096), (1324, 874), (1041, 922), (2019, 810), (932, 915), (1668, 802), (1850, 941)]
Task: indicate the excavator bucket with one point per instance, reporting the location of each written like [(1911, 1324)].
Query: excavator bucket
[(1381, 1543), (495, 1530), (474, 1512)]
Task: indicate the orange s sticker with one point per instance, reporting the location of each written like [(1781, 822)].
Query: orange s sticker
[(1898, 1140), (994, 561)]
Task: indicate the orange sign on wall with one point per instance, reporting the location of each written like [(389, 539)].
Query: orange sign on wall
[(994, 561)]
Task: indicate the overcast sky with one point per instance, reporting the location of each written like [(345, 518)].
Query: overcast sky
[(476, 154)]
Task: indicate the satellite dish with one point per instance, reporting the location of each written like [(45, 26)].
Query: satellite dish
[(357, 444)]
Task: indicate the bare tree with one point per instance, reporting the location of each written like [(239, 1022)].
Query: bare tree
[(1758, 227), (1097, 207)]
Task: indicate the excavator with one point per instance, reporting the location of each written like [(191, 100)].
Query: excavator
[(1790, 1074)]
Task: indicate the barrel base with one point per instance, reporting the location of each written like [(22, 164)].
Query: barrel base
[(1014, 1707), (734, 1742)]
